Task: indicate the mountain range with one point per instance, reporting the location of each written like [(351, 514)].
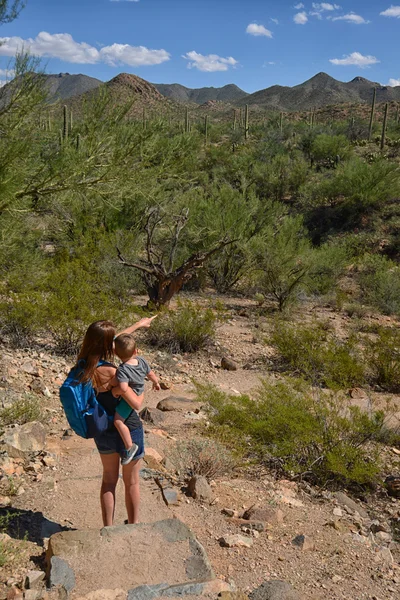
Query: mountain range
[(317, 92)]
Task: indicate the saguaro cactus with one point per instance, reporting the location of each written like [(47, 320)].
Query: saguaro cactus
[(281, 122), (234, 120), (65, 125), (187, 122), (144, 119), (206, 129), (246, 122), (371, 120), (383, 138), (78, 142)]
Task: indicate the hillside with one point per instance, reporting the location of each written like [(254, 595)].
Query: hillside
[(321, 90), (64, 85), (180, 93)]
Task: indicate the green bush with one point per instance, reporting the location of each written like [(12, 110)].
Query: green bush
[(380, 283), (320, 437), (187, 329), (318, 355), (327, 147), (22, 410), (384, 359)]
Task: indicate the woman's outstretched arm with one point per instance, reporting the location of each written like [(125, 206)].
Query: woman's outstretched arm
[(143, 323)]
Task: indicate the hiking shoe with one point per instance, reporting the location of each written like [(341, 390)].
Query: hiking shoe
[(128, 455)]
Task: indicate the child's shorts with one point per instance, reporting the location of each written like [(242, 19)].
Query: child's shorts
[(123, 409)]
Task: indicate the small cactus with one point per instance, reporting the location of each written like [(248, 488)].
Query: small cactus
[(246, 122)]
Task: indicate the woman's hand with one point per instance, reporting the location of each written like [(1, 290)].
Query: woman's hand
[(142, 324), (145, 322)]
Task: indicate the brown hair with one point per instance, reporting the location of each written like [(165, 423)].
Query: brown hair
[(97, 345), (125, 346)]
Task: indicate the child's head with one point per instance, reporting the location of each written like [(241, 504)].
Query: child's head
[(125, 346)]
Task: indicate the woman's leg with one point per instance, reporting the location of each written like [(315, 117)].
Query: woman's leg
[(108, 485), (131, 477)]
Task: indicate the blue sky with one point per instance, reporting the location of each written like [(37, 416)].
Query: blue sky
[(253, 43)]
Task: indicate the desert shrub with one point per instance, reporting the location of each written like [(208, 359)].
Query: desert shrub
[(318, 355), (384, 359), (203, 456), (380, 283), (187, 329), (21, 317), (327, 147), (22, 410), (282, 259), (356, 310), (320, 437), (327, 264)]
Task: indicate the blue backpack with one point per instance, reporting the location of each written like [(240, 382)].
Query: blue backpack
[(84, 414)]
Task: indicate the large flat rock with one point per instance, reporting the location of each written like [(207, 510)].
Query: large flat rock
[(164, 553)]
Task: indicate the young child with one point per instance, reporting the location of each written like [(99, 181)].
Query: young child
[(131, 373)]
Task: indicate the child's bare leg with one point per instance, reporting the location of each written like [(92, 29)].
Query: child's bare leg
[(123, 431)]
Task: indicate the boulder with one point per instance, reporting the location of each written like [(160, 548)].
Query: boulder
[(275, 590), (116, 594), (236, 541), (228, 364), (34, 580), (179, 404), (200, 489), (167, 551), (344, 500), (152, 415), (273, 516), (21, 441), (303, 542)]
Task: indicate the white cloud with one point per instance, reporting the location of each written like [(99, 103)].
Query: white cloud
[(209, 63), (64, 47), (325, 6), (254, 29), (299, 6), (9, 73), (352, 18), (275, 21), (356, 59), (393, 11), (300, 18), (394, 82)]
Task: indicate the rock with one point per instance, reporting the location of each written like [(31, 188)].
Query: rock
[(166, 385), (289, 500), (345, 501), (61, 573), (167, 551), (5, 501), (152, 415), (154, 464), (358, 394), (382, 536), (233, 596), (170, 495), (34, 580), (275, 590), (338, 512), (116, 594), (30, 368), (384, 555), (378, 526), (303, 542), (20, 441), (199, 489), (179, 404), (392, 484), (32, 594), (273, 516), (228, 364), (152, 452), (236, 541)]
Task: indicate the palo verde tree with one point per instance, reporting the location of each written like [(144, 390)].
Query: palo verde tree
[(9, 10), (181, 233)]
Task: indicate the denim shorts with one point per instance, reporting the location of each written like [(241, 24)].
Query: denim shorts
[(110, 442)]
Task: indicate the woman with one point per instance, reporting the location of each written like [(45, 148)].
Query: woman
[(98, 345)]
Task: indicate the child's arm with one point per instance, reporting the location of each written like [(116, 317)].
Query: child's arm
[(153, 378)]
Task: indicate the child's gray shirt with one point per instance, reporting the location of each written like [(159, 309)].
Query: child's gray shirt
[(134, 374)]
